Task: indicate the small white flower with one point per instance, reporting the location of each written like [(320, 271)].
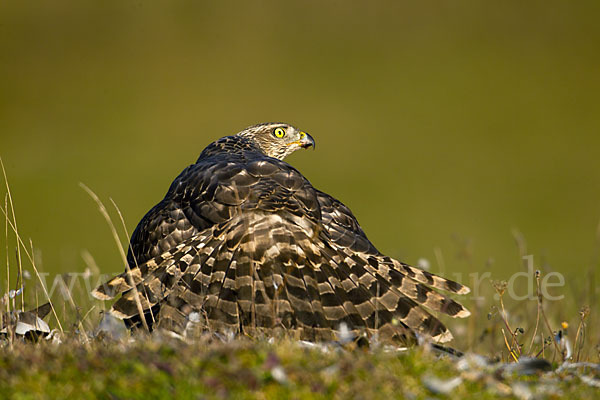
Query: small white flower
[(278, 373)]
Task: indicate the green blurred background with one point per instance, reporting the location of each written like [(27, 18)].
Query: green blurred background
[(443, 125)]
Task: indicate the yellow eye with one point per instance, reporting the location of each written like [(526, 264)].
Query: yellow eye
[(279, 132)]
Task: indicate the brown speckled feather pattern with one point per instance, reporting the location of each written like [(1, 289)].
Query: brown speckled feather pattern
[(245, 244)]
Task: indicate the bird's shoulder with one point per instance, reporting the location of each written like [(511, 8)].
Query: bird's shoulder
[(235, 161), (231, 175)]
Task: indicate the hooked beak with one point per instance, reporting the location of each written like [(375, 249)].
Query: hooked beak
[(306, 141)]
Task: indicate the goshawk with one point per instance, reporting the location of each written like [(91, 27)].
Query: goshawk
[(244, 243)]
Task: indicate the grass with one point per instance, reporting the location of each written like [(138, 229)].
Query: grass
[(159, 367), (501, 339)]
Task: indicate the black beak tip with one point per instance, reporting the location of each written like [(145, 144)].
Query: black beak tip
[(308, 142)]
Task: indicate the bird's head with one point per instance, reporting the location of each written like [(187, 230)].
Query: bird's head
[(278, 140)]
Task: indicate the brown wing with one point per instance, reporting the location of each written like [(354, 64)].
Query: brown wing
[(248, 244), (397, 289), (209, 210)]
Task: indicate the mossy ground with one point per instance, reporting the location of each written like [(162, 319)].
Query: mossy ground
[(158, 367)]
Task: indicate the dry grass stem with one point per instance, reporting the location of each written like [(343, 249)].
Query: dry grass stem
[(33, 265), (580, 336), (14, 222), (539, 308), (129, 245), (115, 235)]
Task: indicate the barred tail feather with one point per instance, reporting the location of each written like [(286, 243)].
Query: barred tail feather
[(284, 280), (396, 292), (117, 285), (430, 279)]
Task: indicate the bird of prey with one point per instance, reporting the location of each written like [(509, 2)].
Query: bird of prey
[(246, 245)]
